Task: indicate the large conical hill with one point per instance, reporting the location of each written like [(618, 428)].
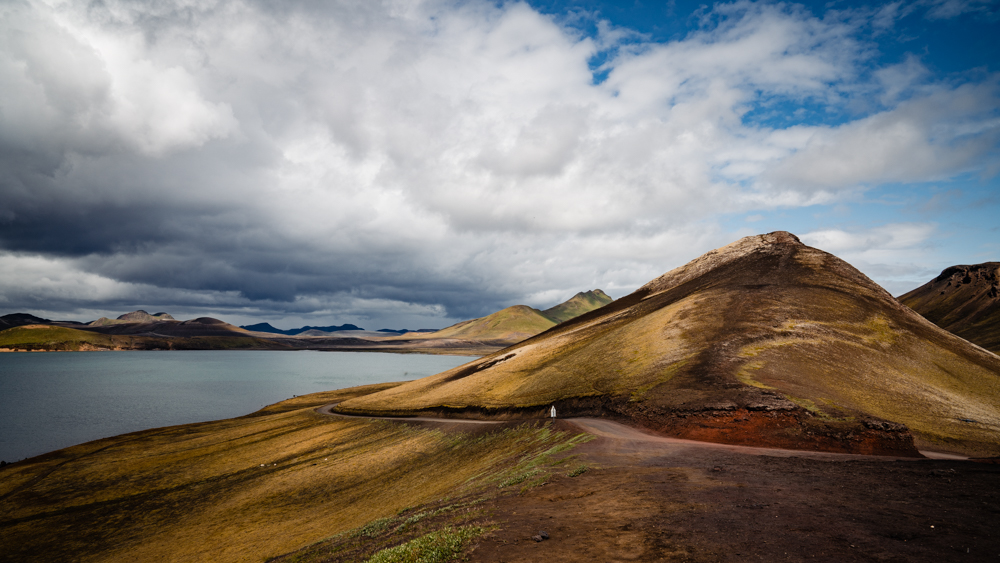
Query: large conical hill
[(765, 341), (964, 300)]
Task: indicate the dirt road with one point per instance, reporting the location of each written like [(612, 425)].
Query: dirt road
[(654, 498)]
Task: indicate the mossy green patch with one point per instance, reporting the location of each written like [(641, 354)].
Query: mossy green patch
[(435, 547)]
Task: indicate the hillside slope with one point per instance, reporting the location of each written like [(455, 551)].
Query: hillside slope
[(764, 342), (964, 300)]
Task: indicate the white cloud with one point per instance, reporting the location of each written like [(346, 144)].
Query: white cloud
[(429, 152), (899, 255), (70, 80), (947, 9), (936, 136)]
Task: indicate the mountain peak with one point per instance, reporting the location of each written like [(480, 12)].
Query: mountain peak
[(581, 303), (763, 243)]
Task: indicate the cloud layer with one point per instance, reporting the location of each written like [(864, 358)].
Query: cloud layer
[(439, 159)]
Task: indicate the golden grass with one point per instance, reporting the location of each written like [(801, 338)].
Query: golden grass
[(512, 324), (242, 489), (628, 356)]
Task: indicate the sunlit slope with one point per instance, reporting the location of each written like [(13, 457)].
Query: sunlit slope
[(764, 341), (964, 300), (56, 338), (508, 325), (243, 489), (581, 303)]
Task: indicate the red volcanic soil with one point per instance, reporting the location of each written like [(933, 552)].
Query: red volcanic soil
[(792, 430), (649, 498)]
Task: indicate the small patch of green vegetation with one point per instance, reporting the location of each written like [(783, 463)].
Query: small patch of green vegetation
[(518, 478), (532, 465), (578, 470), (881, 331), (374, 528), (744, 375), (436, 547)]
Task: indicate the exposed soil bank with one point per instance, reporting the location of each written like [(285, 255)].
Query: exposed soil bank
[(768, 426)]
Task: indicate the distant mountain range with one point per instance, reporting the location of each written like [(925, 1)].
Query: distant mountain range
[(140, 330), (266, 327)]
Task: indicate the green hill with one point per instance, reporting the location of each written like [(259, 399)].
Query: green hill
[(47, 337), (964, 300), (516, 323), (763, 342), (577, 305), (512, 324)]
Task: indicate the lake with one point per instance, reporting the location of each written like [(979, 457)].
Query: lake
[(52, 400)]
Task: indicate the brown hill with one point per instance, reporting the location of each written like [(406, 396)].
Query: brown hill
[(202, 326), (964, 300), (133, 317), (577, 305), (763, 342)]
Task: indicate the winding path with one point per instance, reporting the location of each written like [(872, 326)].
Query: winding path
[(631, 438)]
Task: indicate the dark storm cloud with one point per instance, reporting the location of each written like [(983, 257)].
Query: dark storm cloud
[(417, 160)]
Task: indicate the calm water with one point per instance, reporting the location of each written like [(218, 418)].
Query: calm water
[(53, 400)]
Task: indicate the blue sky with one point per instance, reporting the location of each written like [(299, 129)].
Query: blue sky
[(409, 164)]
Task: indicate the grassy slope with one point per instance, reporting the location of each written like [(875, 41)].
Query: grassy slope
[(963, 300), (512, 324), (516, 323), (577, 305), (759, 318), (198, 492), (46, 337)]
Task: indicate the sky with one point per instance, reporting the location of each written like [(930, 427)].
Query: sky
[(411, 164)]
